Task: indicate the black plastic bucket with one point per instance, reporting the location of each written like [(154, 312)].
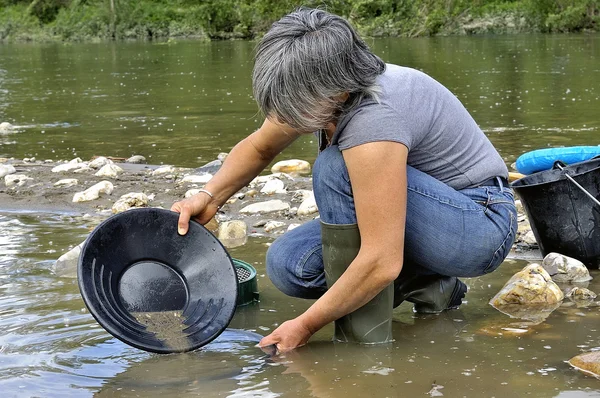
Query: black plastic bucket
[(563, 218)]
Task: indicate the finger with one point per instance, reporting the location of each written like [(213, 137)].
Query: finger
[(176, 207), (270, 350), (184, 220), (268, 341)]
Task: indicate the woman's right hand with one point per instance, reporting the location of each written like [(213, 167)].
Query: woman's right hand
[(200, 207)]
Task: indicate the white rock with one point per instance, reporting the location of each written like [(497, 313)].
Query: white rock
[(529, 239), (66, 265), (18, 180), (67, 182), (264, 179), (5, 127), (109, 171), (233, 233), (273, 225), (83, 169), (76, 160), (293, 226), (270, 206), (191, 193), (129, 201), (137, 159), (530, 286), (163, 170), (291, 166), (581, 293), (301, 195), (273, 186), (565, 269), (6, 169), (99, 162), (68, 167), (308, 206), (222, 156), (93, 192), (196, 179)]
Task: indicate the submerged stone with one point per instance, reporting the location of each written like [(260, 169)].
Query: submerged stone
[(565, 269), (588, 363), (233, 233), (532, 285)]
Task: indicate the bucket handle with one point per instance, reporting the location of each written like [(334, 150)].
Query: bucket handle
[(561, 166)]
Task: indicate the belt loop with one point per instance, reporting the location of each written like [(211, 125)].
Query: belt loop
[(500, 184)]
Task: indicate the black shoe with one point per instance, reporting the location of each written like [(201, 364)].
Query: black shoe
[(431, 294)]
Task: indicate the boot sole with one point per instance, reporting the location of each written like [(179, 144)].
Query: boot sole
[(458, 293)]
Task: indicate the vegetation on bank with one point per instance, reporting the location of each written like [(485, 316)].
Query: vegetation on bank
[(221, 19)]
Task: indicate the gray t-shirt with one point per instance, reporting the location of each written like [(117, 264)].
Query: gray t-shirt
[(442, 138)]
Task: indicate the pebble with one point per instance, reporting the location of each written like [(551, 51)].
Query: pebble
[(273, 186), (196, 179), (163, 170), (67, 182), (6, 169), (136, 159), (270, 206), (292, 166), (129, 201), (293, 226), (191, 193), (93, 192), (68, 167), (18, 180), (99, 162), (109, 171), (308, 206), (273, 225)]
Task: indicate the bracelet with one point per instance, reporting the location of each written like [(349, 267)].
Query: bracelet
[(206, 192)]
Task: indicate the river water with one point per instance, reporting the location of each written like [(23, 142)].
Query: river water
[(182, 103)]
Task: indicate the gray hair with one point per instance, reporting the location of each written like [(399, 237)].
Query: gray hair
[(305, 62)]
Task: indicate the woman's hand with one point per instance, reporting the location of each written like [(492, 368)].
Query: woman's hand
[(288, 336), (200, 207)]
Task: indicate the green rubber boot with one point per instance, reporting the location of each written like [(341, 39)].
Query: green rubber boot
[(431, 294), (372, 323)]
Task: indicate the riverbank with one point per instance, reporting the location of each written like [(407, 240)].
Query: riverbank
[(57, 20)]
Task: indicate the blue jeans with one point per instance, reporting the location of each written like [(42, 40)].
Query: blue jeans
[(462, 233)]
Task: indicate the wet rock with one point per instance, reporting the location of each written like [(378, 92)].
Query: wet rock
[(136, 159), (66, 265), (308, 206), (209, 168), (292, 166), (273, 225), (273, 186), (565, 269), (99, 162), (130, 201), (532, 285), (233, 233), (6, 169), (196, 179), (163, 170), (93, 192), (109, 171), (66, 167), (581, 294), (533, 313), (17, 180), (65, 183), (270, 206), (5, 127), (589, 363), (191, 193), (260, 223)]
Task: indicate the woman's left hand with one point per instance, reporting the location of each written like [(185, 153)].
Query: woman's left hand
[(288, 336)]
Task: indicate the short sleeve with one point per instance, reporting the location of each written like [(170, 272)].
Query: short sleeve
[(374, 122)]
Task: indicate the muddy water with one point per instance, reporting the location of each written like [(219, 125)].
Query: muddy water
[(183, 104), (51, 346)]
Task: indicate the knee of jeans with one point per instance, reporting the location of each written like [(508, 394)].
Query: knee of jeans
[(330, 171), (279, 270)]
